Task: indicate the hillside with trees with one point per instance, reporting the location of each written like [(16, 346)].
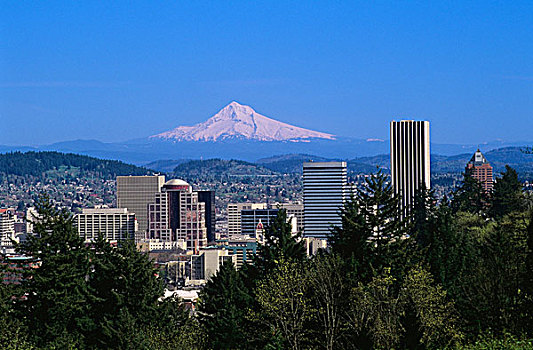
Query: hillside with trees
[(70, 180), (37, 163)]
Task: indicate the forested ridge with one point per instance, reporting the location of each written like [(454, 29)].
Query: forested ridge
[(37, 163)]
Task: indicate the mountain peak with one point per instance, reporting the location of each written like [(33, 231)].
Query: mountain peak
[(237, 121)]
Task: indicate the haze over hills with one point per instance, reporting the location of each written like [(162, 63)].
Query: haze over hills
[(236, 121)]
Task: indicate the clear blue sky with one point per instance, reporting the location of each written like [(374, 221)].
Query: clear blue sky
[(118, 70)]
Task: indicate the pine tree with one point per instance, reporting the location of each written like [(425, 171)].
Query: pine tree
[(123, 280), (507, 195), (58, 298), (528, 277), (470, 196), (223, 306), (279, 242)]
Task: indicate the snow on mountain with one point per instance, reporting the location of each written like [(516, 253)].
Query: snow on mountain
[(236, 121)]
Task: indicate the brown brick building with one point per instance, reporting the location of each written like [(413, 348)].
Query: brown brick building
[(480, 169)]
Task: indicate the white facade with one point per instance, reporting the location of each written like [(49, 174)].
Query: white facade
[(410, 158), (325, 192), (114, 224)]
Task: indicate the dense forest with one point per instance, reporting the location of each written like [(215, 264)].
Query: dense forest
[(37, 163), (453, 274)]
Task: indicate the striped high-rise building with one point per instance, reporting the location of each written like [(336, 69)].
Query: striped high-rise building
[(325, 192), (135, 193), (410, 158)]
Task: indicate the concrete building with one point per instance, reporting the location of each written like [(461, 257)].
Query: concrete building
[(325, 192), (234, 215), (410, 158), (176, 214), (114, 224), (197, 269), (313, 245), (480, 169), (7, 231), (135, 193)]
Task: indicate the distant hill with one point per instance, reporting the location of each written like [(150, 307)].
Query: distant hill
[(216, 168), (166, 165), (37, 163), (513, 156), (289, 163)]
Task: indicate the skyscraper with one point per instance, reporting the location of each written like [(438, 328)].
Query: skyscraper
[(175, 215), (325, 191), (480, 169), (135, 192), (208, 198), (410, 158)]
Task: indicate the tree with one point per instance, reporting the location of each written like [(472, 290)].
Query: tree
[(284, 307), (123, 282), (507, 195), (435, 314), (375, 312), (528, 277), (470, 196), (58, 298), (329, 295), (279, 243), (223, 305), (373, 229)]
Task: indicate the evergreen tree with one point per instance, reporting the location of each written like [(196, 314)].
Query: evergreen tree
[(470, 196), (223, 306), (528, 277), (279, 242), (507, 194), (423, 215), (123, 282), (58, 298)]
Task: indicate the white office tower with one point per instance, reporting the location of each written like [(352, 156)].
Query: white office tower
[(114, 224), (410, 158), (325, 191), (135, 193)]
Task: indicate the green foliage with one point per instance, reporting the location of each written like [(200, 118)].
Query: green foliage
[(223, 305), (469, 196), (507, 194), (435, 313), (284, 307), (506, 342), (36, 163), (376, 310), (280, 243), (93, 296)]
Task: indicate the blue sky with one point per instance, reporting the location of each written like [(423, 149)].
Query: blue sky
[(119, 70)]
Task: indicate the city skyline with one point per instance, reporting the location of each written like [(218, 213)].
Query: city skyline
[(83, 71)]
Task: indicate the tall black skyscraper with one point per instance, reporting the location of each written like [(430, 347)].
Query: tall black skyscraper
[(208, 197)]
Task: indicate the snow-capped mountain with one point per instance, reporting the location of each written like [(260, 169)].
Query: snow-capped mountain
[(236, 121)]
